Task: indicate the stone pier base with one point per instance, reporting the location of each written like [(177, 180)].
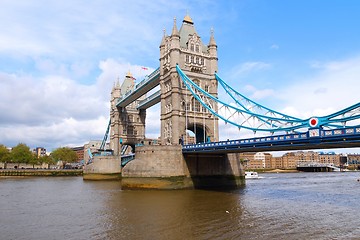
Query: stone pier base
[(165, 167), (103, 168)]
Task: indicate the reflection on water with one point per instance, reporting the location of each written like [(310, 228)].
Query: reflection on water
[(277, 206)]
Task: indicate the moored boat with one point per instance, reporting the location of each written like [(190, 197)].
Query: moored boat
[(251, 175)]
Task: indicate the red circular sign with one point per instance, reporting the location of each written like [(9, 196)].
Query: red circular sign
[(313, 122)]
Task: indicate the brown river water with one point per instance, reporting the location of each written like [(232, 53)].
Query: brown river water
[(276, 206)]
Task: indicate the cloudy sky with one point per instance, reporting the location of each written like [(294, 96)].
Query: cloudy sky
[(60, 59)]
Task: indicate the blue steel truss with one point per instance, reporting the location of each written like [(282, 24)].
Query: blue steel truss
[(103, 143), (247, 114)]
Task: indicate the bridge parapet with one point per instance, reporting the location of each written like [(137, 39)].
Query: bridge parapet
[(335, 138), (148, 78)]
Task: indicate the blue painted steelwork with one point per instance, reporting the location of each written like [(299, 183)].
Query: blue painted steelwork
[(256, 117), (315, 138), (140, 89), (242, 115), (103, 143), (123, 149), (249, 105), (125, 159)]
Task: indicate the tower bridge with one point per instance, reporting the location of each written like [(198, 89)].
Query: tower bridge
[(188, 97)]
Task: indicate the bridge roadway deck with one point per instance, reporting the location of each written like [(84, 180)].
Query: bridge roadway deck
[(339, 138), (141, 89)]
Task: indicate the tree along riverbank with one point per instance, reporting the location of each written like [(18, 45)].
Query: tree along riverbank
[(40, 172)]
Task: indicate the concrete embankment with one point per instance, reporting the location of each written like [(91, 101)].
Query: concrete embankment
[(40, 172)]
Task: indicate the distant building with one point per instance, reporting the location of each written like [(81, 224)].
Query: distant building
[(309, 156), (353, 161), (79, 152), (276, 162), (289, 160), (329, 158), (256, 160), (39, 152)]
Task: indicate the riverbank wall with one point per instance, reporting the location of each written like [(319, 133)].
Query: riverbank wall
[(40, 172)]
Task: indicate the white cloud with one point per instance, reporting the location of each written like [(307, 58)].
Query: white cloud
[(248, 67), (53, 109), (152, 125), (334, 87), (274, 47), (257, 94), (65, 132)]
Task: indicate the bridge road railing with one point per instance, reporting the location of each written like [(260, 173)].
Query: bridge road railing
[(150, 101), (140, 89), (313, 139)]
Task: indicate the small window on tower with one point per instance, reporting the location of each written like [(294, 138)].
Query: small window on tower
[(197, 48), (197, 106), (188, 108), (183, 84), (187, 59)]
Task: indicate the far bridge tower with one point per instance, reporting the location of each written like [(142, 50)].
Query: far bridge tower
[(128, 123)]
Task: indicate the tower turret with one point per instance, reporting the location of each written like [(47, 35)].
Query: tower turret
[(175, 46), (212, 48)]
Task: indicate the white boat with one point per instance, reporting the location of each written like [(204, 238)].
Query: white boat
[(251, 175)]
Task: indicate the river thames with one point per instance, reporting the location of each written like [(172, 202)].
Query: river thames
[(276, 206)]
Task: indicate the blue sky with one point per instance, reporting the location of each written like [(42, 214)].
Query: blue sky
[(60, 59)]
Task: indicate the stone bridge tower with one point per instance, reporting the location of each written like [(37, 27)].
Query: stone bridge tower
[(128, 123), (179, 110)]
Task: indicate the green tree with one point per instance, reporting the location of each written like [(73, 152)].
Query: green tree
[(64, 154), (4, 154), (21, 154), (46, 159)]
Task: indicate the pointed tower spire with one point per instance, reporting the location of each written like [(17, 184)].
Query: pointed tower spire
[(163, 39), (129, 75), (187, 19), (118, 82), (212, 39), (174, 32)]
